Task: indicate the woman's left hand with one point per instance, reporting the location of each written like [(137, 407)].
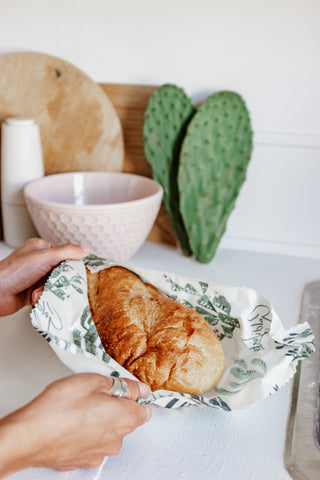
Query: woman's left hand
[(26, 269)]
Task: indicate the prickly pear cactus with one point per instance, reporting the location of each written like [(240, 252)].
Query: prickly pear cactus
[(213, 163), (168, 112)]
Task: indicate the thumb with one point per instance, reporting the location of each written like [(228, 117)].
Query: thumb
[(36, 294)]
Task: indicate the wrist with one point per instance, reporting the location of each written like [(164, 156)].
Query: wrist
[(15, 447)]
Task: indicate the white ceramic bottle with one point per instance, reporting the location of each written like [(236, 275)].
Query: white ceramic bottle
[(21, 162)]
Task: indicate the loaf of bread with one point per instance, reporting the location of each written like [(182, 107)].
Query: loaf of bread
[(162, 342)]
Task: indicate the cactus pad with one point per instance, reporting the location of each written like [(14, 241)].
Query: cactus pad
[(168, 112), (212, 168)]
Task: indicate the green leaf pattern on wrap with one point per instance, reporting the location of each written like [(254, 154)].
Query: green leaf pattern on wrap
[(58, 282), (243, 375), (215, 310), (297, 345), (85, 338), (244, 365)]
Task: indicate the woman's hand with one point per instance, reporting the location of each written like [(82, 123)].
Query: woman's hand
[(73, 423), (26, 269)]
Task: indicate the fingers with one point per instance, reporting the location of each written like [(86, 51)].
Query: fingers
[(133, 415), (70, 251), (139, 414), (93, 463), (36, 294), (52, 256), (37, 244), (88, 383), (34, 244), (52, 253), (146, 414), (90, 463), (84, 383), (136, 389)]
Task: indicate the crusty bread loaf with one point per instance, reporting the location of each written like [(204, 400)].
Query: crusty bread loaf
[(162, 342)]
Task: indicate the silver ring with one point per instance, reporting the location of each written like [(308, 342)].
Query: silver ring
[(119, 388)]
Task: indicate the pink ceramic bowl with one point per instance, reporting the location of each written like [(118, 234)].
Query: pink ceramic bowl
[(112, 213)]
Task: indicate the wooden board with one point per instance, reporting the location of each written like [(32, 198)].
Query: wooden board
[(130, 102), (80, 129), (72, 110)]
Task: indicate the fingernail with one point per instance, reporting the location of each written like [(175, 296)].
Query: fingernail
[(85, 249), (145, 390), (36, 296), (149, 413)]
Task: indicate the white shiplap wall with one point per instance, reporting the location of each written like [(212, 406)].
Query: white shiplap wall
[(278, 206), (268, 51)]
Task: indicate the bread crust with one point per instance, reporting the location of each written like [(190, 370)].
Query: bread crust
[(162, 342)]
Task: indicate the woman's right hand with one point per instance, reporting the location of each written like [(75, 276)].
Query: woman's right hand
[(73, 423)]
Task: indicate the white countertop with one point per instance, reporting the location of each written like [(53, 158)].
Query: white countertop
[(189, 443)]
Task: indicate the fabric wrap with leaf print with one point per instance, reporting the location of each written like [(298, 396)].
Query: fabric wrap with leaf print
[(261, 356)]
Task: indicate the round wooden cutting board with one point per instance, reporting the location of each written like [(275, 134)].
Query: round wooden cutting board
[(80, 129)]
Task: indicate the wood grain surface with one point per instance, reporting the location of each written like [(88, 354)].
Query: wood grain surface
[(84, 125), (79, 127)]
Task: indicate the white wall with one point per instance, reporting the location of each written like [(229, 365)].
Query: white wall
[(266, 50)]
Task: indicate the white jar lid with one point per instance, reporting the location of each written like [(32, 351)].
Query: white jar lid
[(20, 122)]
